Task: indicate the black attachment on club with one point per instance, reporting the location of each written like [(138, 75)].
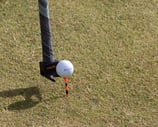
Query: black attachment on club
[(49, 71)]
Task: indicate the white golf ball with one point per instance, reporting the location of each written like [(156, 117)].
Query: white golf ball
[(64, 68)]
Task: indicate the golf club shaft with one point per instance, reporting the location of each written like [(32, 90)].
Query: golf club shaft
[(46, 37)]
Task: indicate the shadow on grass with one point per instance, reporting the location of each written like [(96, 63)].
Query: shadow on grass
[(27, 93), (21, 105)]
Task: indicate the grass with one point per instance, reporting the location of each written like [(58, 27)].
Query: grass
[(114, 48)]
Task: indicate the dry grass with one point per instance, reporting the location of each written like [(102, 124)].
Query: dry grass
[(114, 48)]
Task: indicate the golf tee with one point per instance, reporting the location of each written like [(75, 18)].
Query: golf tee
[(66, 86)]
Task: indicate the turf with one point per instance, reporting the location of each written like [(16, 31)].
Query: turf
[(114, 48)]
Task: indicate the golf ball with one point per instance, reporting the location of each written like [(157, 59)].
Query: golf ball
[(64, 68)]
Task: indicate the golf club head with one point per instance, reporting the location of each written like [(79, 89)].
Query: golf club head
[(49, 70)]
